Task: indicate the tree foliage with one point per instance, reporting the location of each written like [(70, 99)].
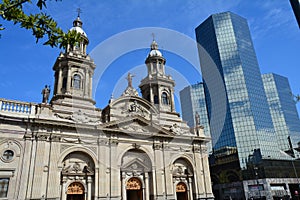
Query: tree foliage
[(41, 24)]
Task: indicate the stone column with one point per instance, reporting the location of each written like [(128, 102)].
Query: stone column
[(45, 174), (96, 182), (124, 196), (159, 179), (144, 191), (147, 186), (31, 167), (86, 81), (159, 95), (199, 171), (84, 49), (81, 47), (59, 82), (63, 189), (28, 145), (89, 187), (90, 84), (151, 94), (154, 182), (206, 172), (172, 100), (190, 188), (69, 79), (115, 186)]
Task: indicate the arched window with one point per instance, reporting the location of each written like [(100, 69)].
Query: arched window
[(8, 155), (164, 98), (76, 81)]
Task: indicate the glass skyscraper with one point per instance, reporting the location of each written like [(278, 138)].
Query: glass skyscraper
[(192, 99), (228, 61), (283, 109)]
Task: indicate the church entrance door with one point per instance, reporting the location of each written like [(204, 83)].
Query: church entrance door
[(134, 189), (181, 191), (75, 197), (75, 191)]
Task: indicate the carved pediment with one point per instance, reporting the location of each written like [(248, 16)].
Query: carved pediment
[(137, 125), (128, 106), (136, 165)]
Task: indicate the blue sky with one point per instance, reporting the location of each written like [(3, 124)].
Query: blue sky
[(25, 67)]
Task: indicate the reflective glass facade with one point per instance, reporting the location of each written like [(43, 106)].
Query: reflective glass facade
[(283, 109), (192, 99), (225, 38)]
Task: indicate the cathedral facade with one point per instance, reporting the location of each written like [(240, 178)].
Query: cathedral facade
[(136, 148)]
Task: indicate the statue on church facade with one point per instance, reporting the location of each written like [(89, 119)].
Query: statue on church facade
[(46, 93), (129, 79)]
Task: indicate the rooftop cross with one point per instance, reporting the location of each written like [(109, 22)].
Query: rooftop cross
[(78, 12), (153, 36)]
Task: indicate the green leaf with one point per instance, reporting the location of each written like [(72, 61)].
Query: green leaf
[(41, 4), (41, 24)]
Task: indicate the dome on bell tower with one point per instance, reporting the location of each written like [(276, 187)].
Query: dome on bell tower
[(78, 47), (155, 61), (77, 26), (157, 87), (154, 50)]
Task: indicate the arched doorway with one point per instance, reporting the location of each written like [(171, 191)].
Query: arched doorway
[(78, 177), (181, 191), (134, 189), (75, 191), (183, 178), (136, 175)]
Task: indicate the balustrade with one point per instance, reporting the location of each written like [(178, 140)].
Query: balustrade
[(16, 106)]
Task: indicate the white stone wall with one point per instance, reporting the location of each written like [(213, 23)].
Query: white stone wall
[(41, 145)]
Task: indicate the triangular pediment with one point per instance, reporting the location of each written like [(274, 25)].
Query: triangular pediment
[(128, 106), (136, 125), (136, 165)]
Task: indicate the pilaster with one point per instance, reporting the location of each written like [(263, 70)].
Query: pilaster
[(159, 169)]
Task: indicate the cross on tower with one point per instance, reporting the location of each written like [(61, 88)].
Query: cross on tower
[(153, 36), (78, 12)]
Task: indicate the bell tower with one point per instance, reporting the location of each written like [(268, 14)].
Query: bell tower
[(74, 70), (157, 87)]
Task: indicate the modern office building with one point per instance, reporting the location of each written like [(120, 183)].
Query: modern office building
[(192, 99), (296, 8), (247, 160), (226, 39), (283, 110)]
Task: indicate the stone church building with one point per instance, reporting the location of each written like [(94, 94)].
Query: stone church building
[(136, 148)]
